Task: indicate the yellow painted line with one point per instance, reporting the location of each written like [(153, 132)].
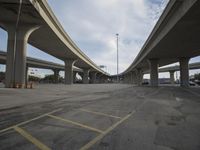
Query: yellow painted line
[(95, 140), (25, 122), (32, 139), (76, 123), (99, 113)]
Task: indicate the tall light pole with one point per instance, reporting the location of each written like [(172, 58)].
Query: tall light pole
[(117, 35)]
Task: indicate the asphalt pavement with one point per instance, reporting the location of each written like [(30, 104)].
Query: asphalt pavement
[(100, 117)]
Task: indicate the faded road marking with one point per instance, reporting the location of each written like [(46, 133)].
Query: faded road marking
[(25, 122), (95, 140), (75, 123), (178, 99), (99, 113), (32, 139)]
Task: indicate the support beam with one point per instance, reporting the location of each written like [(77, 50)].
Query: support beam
[(134, 77), (184, 71), (98, 77), (86, 75), (56, 75), (153, 72), (81, 74), (16, 55), (74, 76), (139, 76), (172, 80), (125, 78), (26, 76), (93, 77), (69, 63), (130, 78), (102, 78)]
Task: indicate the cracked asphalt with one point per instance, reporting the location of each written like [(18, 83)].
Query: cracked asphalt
[(100, 117)]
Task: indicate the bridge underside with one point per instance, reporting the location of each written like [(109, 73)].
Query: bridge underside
[(175, 38), (36, 24)]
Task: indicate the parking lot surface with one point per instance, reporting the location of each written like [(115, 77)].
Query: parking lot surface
[(100, 117)]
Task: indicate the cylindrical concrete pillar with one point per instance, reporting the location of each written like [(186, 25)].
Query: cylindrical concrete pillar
[(98, 78), (16, 55), (56, 75), (184, 71), (93, 77), (139, 76), (74, 76), (126, 78), (172, 80), (131, 77), (153, 72), (26, 76), (134, 77), (69, 63), (86, 75), (10, 59)]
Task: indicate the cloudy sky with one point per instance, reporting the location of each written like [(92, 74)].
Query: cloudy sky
[(93, 24)]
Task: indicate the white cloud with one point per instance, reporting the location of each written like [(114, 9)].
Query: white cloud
[(93, 25)]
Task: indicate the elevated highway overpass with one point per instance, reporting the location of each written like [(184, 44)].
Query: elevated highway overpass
[(55, 67), (172, 69), (38, 63), (33, 22), (42, 64), (175, 38)]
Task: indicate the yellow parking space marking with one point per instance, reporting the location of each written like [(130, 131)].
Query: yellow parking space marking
[(99, 113), (33, 119), (75, 123), (95, 140), (32, 139)]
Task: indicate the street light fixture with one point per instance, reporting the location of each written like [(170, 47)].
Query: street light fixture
[(117, 36)]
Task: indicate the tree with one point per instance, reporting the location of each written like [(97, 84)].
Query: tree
[(33, 78), (51, 78), (197, 76)]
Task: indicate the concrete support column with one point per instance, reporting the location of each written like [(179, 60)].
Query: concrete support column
[(69, 63), (128, 78), (86, 75), (93, 77), (74, 76), (105, 78), (134, 77), (125, 78), (16, 55), (172, 77), (140, 79), (26, 76), (56, 75), (184, 71), (102, 79), (139, 76), (98, 78), (131, 79), (153, 72), (81, 74)]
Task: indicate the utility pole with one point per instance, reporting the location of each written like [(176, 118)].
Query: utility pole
[(117, 36)]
